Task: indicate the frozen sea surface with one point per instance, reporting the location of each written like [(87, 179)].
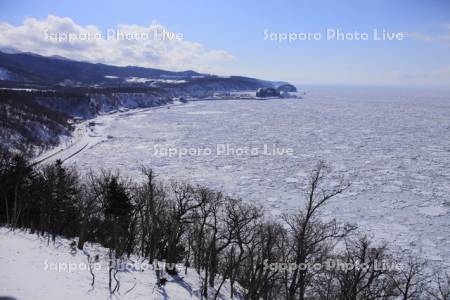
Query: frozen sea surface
[(395, 144)]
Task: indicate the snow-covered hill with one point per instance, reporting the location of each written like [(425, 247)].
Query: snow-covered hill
[(32, 268), (19, 69)]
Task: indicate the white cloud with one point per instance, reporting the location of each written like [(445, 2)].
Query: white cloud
[(46, 37), (419, 36), (442, 36)]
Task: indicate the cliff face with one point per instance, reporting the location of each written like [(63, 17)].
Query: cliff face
[(101, 103), (88, 102), (32, 121), (27, 126)]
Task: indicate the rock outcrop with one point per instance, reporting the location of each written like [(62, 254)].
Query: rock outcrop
[(287, 88), (267, 92)]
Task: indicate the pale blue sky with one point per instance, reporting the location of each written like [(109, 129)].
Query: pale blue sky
[(237, 27)]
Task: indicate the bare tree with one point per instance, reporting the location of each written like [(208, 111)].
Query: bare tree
[(240, 220), (89, 204), (181, 212), (439, 288), (363, 275), (309, 234), (262, 245), (151, 210), (410, 281)]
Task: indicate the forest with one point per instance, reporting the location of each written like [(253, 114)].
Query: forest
[(224, 239)]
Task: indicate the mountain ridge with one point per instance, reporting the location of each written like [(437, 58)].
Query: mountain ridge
[(48, 71)]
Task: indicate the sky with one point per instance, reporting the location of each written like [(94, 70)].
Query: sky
[(246, 37)]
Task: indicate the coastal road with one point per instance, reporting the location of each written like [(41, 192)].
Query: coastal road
[(63, 153)]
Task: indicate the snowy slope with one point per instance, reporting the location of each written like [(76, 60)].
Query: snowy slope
[(32, 269)]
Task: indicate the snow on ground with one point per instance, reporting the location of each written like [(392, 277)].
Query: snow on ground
[(394, 143), (30, 268)]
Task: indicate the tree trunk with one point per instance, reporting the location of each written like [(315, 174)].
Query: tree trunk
[(82, 238)]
